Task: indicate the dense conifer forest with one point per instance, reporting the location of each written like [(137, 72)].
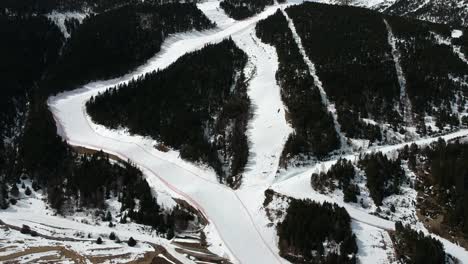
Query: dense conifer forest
[(434, 74), (316, 233), (47, 6), (21, 72), (341, 176), (354, 62), (314, 133), (23, 64), (199, 105), (384, 175), (241, 9), (442, 170), (416, 248), (112, 43)]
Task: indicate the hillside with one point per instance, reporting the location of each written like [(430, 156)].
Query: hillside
[(233, 131)]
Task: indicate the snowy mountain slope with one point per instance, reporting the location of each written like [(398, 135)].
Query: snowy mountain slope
[(197, 185), (238, 228), (74, 237), (453, 12)]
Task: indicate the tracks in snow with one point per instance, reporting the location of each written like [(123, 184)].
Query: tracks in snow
[(405, 103), (313, 72)]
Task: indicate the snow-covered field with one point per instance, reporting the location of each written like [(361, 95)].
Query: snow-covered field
[(237, 222)]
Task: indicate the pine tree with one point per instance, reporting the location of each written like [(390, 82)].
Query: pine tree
[(27, 191), (131, 242), (14, 191)]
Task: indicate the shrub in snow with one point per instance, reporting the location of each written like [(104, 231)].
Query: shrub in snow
[(25, 229), (131, 242)]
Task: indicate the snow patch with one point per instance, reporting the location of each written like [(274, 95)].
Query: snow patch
[(60, 18)]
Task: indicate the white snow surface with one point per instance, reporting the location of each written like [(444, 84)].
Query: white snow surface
[(59, 19), (374, 244), (456, 33)]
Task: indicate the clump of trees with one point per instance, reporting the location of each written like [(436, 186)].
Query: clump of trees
[(354, 62), (198, 104), (384, 176), (316, 233), (241, 9), (414, 247), (314, 134), (339, 176)]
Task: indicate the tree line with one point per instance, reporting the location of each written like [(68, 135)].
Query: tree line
[(341, 176), (416, 248), (316, 233), (198, 104), (314, 133), (111, 44)]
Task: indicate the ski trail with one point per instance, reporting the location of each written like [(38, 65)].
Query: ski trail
[(312, 70), (405, 102), (268, 130), (222, 206)]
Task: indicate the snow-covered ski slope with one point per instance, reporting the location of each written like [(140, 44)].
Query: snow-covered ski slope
[(220, 204), (236, 216)]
